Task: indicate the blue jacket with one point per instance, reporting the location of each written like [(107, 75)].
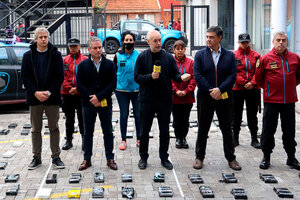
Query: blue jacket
[(125, 71), (143, 76), (101, 83), (52, 80), (205, 73)]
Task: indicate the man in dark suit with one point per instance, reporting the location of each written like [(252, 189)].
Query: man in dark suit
[(154, 70), (215, 73), (96, 81)]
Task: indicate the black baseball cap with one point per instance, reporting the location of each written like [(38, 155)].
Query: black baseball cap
[(244, 37), (73, 42)]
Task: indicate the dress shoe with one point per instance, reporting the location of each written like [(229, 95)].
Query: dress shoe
[(185, 145), (142, 164), (198, 164), (178, 143), (84, 165), (293, 163), (265, 163), (112, 164), (234, 165), (68, 145), (255, 144), (167, 164)]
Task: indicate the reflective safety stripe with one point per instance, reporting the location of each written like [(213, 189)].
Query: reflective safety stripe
[(283, 79), (246, 64), (268, 89), (287, 66)]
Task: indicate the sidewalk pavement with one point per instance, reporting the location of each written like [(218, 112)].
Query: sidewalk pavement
[(214, 165)]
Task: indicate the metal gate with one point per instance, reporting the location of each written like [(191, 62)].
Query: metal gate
[(199, 16)]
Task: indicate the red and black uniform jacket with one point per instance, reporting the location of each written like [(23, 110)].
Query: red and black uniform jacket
[(279, 76), (184, 66), (71, 63), (245, 64)]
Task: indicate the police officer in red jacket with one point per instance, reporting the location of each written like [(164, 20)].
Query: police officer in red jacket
[(245, 89), (71, 97), (278, 73), (183, 96)]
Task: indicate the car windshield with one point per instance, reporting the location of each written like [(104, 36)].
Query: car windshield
[(19, 53)]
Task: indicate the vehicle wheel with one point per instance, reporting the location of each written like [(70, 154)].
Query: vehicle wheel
[(112, 46), (169, 45)]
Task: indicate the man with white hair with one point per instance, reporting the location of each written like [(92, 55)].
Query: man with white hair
[(42, 74), (154, 70), (278, 73)]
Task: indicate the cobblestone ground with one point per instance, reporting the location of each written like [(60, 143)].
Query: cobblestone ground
[(214, 165)]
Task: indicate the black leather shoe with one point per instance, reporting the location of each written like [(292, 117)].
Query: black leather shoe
[(185, 145), (58, 163), (293, 163), (142, 164), (265, 163), (178, 143), (35, 163), (167, 164), (68, 145), (255, 144)]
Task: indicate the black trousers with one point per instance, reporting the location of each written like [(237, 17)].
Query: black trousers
[(270, 122), (147, 113), (69, 105), (181, 115), (252, 101), (206, 106)]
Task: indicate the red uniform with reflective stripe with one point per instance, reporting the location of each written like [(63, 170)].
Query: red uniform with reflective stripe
[(71, 63), (246, 66), (279, 76)]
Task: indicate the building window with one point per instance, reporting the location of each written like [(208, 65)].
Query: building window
[(226, 21)]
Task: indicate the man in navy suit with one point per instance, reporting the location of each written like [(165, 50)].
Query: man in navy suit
[(215, 74)]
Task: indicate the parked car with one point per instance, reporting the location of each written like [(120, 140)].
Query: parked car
[(140, 28), (11, 87)]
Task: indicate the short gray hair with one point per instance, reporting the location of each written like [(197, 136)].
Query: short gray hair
[(150, 33), (93, 39), (40, 29), (282, 33)]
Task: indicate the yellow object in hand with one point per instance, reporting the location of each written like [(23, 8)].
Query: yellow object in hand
[(156, 68), (103, 103), (224, 95)]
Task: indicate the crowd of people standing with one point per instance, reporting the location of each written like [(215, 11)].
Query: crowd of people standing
[(159, 84)]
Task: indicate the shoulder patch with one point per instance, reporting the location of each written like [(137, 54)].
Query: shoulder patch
[(257, 63)]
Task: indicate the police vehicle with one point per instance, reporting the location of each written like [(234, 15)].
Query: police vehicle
[(11, 54), (140, 28)]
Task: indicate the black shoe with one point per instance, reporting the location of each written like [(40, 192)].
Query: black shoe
[(293, 163), (265, 163), (35, 163), (235, 143), (68, 145), (178, 143), (58, 163), (167, 164), (255, 144), (185, 145), (142, 164)]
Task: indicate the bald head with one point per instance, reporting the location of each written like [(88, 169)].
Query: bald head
[(154, 41)]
